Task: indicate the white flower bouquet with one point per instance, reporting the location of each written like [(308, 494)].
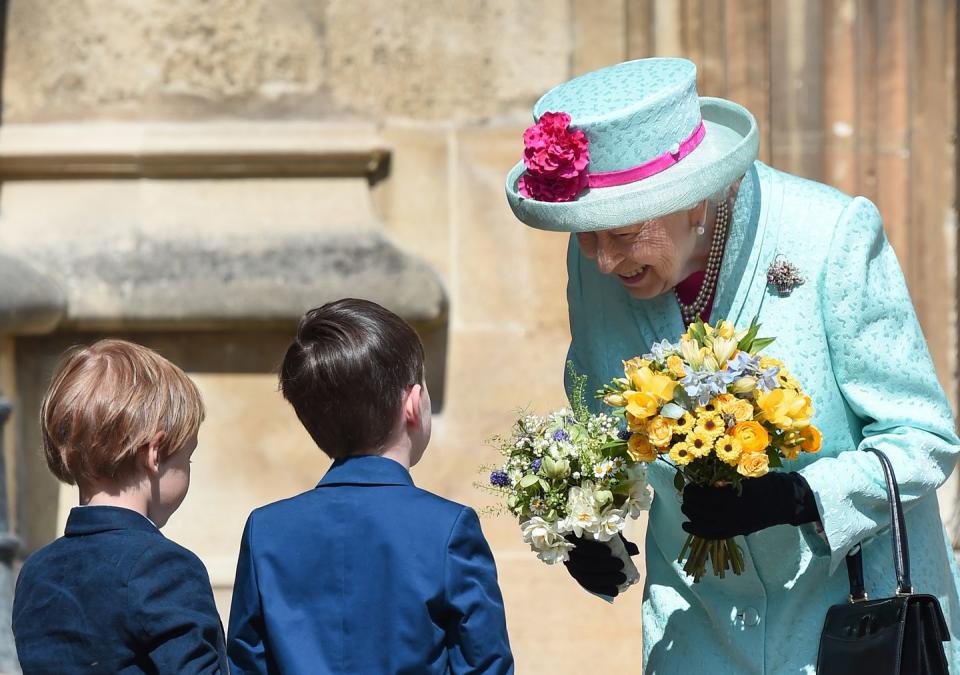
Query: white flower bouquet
[(569, 473)]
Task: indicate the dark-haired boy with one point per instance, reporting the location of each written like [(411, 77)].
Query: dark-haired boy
[(365, 573)]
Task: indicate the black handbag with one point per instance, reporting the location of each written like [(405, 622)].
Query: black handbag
[(902, 635)]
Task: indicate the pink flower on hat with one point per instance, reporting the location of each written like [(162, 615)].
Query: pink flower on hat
[(556, 160)]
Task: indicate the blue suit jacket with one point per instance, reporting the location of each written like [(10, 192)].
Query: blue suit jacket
[(366, 574), (113, 595)]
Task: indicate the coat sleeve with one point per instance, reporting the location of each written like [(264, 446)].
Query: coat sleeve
[(884, 371), (477, 628), (246, 641), (173, 602)]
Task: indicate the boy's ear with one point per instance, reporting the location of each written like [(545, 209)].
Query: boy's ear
[(411, 405), (150, 452)]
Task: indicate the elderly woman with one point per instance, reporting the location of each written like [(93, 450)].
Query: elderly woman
[(673, 218)]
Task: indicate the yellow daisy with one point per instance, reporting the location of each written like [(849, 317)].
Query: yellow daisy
[(685, 424), (711, 408), (700, 443), (712, 425), (728, 449), (680, 454)]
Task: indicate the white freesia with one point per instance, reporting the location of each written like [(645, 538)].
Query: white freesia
[(611, 524), (545, 540), (582, 513)]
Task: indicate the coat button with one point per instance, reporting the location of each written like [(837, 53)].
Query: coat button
[(751, 617)]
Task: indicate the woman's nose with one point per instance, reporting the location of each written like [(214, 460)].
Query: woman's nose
[(607, 258)]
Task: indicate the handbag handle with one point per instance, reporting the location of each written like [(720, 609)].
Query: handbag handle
[(898, 530)]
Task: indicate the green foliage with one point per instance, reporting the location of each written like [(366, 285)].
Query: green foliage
[(578, 400)]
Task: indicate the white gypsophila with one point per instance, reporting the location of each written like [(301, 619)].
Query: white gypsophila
[(544, 538), (582, 513), (610, 524)]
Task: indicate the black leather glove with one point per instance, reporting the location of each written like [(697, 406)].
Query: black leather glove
[(593, 565), (774, 499)]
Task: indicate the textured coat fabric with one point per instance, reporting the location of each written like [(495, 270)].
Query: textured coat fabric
[(366, 574), (114, 596), (851, 337)]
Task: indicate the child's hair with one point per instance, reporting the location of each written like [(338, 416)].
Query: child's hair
[(346, 374), (108, 400)]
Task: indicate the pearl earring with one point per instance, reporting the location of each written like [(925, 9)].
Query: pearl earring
[(701, 230)]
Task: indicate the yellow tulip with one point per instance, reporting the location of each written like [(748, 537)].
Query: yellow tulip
[(725, 329), (785, 408), (752, 436), (690, 351), (641, 404), (646, 381), (724, 348)]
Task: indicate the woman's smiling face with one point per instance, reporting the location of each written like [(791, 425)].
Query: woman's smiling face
[(650, 257)]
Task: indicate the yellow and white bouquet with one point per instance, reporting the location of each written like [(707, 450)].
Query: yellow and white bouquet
[(570, 473), (718, 412)]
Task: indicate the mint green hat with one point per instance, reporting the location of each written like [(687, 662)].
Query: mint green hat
[(625, 144)]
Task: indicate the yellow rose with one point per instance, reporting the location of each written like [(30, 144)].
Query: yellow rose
[(636, 424), (752, 436), (785, 408), (646, 381), (699, 443), (675, 365), (680, 454), (660, 431), (640, 450), (812, 438), (712, 425), (741, 410), (728, 449), (753, 464), (641, 404)]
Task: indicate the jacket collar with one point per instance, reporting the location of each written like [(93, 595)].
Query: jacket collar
[(366, 470), (93, 519)]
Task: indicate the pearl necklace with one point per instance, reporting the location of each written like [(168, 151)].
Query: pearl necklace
[(693, 310)]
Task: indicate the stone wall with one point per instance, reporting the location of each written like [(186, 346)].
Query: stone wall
[(448, 87)]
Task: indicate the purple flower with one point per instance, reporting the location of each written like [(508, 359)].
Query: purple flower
[(499, 478), (624, 434), (561, 435), (536, 465)]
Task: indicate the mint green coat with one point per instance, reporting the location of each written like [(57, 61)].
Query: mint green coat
[(851, 337)]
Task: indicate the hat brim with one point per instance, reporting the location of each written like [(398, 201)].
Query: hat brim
[(727, 151)]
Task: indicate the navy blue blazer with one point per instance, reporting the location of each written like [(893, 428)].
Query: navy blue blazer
[(113, 595), (367, 574)]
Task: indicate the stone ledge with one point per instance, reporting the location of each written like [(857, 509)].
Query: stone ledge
[(30, 302), (242, 283), (190, 150)]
